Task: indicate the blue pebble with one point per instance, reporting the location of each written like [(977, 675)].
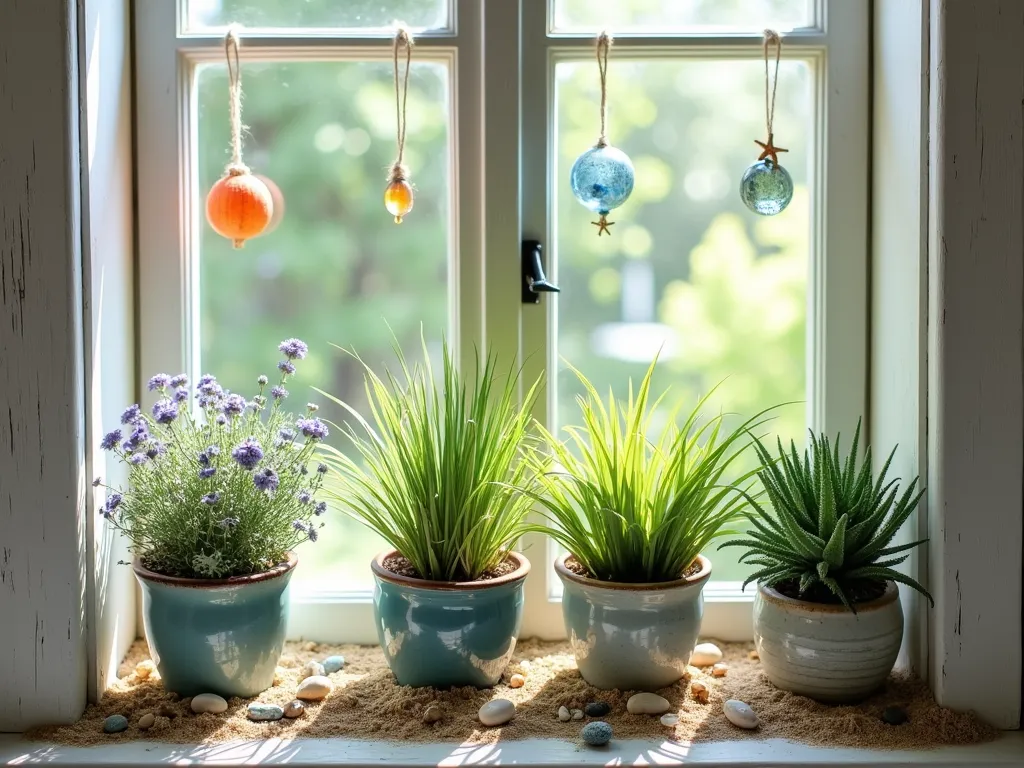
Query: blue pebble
[(115, 724), (333, 664), (258, 711), (597, 733)]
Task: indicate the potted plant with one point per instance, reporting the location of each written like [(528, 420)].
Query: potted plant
[(217, 499), (827, 617), (635, 515), (431, 476)]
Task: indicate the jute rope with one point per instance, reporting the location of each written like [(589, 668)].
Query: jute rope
[(604, 42), (771, 37), (402, 40), (231, 44)]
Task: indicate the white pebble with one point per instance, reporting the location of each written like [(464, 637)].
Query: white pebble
[(705, 655), (208, 702), (144, 669), (669, 719), (720, 670), (314, 688), (312, 669), (577, 714), (740, 714), (516, 681), (525, 666), (647, 704), (497, 712), (564, 714)]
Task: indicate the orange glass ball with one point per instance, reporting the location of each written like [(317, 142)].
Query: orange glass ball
[(239, 207), (398, 199)]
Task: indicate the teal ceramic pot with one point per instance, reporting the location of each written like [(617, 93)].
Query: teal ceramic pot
[(632, 637), (444, 634), (222, 636)]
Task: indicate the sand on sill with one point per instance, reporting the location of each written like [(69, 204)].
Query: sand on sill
[(367, 704)]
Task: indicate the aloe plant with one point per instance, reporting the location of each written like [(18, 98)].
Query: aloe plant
[(833, 522)]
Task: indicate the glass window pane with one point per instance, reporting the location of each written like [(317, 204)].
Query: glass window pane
[(335, 268), (316, 14), (687, 270), (675, 16)]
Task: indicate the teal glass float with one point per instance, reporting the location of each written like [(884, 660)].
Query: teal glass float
[(766, 188), (445, 634), (222, 636), (602, 179)]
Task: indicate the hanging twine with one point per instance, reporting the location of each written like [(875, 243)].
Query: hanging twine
[(771, 37), (604, 42), (231, 44), (403, 39)]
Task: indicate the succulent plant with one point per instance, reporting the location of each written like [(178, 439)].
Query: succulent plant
[(833, 522)]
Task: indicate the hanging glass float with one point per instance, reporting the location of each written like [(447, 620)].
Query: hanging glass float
[(398, 195)]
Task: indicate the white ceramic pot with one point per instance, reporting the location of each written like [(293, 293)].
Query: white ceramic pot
[(826, 652)]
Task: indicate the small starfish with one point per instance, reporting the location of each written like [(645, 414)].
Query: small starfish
[(770, 150), (602, 225)]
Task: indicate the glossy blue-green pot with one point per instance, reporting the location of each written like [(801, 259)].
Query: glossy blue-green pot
[(222, 636), (632, 637), (444, 634)]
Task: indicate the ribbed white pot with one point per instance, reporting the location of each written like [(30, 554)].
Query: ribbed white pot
[(826, 652)]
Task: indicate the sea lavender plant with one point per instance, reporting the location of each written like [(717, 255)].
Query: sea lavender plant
[(222, 490)]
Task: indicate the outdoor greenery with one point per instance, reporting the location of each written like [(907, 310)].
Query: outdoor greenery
[(225, 493), (433, 474), (833, 522), (631, 508)]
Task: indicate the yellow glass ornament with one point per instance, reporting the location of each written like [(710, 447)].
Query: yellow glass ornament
[(398, 199)]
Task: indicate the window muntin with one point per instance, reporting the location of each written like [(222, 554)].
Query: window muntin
[(366, 16), (680, 16)]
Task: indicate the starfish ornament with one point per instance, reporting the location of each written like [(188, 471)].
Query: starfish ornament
[(602, 226), (770, 150)]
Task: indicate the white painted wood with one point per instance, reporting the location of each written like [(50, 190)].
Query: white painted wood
[(108, 240), (976, 382), (43, 665), (899, 218)]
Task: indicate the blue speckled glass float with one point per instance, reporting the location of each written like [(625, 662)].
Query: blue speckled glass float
[(766, 188), (602, 179)]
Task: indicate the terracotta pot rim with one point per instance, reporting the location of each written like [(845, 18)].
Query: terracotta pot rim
[(382, 573), (697, 580), (234, 581), (772, 595)]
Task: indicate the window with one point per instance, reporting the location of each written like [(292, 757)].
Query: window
[(502, 98)]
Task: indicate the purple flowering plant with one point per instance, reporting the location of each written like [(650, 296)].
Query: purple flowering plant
[(220, 489)]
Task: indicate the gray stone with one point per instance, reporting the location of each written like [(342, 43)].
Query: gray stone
[(597, 733), (260, 712), (208, 702), (432, 714), (894, 715), (312, 669), (115, 724), (497, 712), (333, 664), (294, 709), (647, 704), (597, 709), (740, 714)]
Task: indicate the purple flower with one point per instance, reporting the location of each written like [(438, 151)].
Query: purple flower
[(180, 395), (262, 380), (112, 503), (165, 411), (298, 525), (138, 437), (211, 498), (248, 453), (320, 508), (233, 405), (293, 349), (279, 392), (222, 419), (205, 380), (286, 367), (181, 380), (207, 472), (156, 449), (312, 428), (213, 450), (313, 535), (96, 482), (161, 381), (208, 391), (322, 469), (303, 470), (312, 407), (110, 440), (130, 414), (204, 460), (266, 480), (228, 523), (138, 459), (304, 497), (286, 433)]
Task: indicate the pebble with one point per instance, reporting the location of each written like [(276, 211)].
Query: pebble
[(259, 711), (314, 688), (700, 692), (516, 681), (597, 709), (894, 715), (146, 721), (208, 702), (669, 719), (597, 733), (740, 714), (720, 670), (294, 709), (144, 669), (564, 714), (646, 704), (333, 664), (497, 712), (577, 714), (705, 655), (432, 714), (309, 646), (115, 724), (312, 669)]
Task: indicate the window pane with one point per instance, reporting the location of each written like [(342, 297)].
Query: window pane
[(688, 270), (336, 268), (674, 16), (316, 14)]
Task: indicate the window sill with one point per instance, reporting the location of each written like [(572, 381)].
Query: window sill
[(1006, 751)]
